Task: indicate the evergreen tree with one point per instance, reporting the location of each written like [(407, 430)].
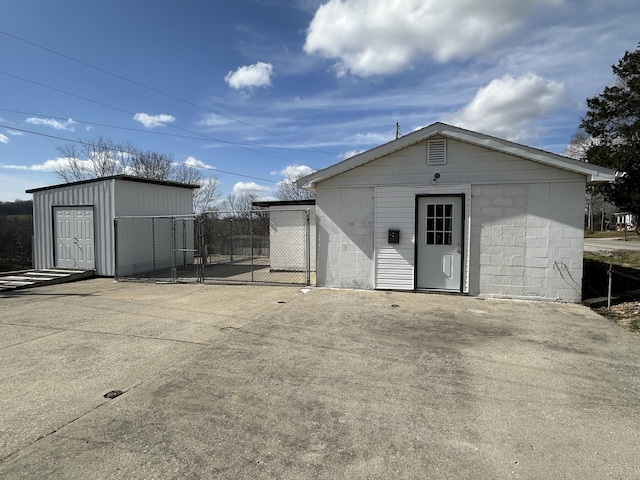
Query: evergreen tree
[(613, 121)]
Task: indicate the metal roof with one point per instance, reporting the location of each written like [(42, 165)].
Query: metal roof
[(127, 178)]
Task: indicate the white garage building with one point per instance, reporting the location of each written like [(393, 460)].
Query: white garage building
[(449, 209), (74, 222)]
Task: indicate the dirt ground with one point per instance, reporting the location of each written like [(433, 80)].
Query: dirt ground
[(626, 314)]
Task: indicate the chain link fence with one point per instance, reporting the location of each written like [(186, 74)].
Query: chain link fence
[(156, 248), (249, 246)]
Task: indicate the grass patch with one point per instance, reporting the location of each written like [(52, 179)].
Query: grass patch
[(626, 276), (627, 259), (631, 236)]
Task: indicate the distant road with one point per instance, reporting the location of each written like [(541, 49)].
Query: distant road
[(599, 244)]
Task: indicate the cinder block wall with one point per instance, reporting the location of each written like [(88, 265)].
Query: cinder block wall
[(345, 221), (527, 240)]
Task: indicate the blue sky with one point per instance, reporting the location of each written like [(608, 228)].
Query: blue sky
[(266, 88)]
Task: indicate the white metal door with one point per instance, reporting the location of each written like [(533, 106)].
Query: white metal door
[(439, 243), (73, 232)]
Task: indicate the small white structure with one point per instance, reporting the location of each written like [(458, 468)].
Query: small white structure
[(625, 221), (448, 209), (74, 222), (292, 234)]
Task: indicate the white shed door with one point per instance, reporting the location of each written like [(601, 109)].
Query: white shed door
[(74, 237), (439, 243)]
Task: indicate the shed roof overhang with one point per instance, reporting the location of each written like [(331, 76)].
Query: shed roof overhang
[(283, 203), (593, 173), (128, 178)]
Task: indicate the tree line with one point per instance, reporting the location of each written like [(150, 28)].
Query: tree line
[(16, 233), (18, 207)]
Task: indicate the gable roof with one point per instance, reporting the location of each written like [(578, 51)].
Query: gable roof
[(128, 178), (594, 173)]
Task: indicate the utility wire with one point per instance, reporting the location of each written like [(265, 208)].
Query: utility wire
[(84, 122), (147, 87), (88, 144), (118, 109)]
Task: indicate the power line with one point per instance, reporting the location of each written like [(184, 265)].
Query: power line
[(147, 87), (201, 138), (118, 109), (88, 144)]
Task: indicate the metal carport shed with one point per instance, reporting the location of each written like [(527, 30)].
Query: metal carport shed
[(74, 222)]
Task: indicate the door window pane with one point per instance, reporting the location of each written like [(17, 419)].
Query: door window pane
[(439, 223), (430, 211)]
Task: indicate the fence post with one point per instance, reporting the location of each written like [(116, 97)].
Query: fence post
[(185, 244), (201, 246), (231, 228), (153, 241), (115, 247), (174, 275), (308, 246), (251, 240)]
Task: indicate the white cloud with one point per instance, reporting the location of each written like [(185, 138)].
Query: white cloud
[(370, 37), (507, 105), (214, 120), (4, 138), (295, 171), (249, 187), (47, 166), (15, 133), (350, 153), (195, 163), (250, 76), (371, 138), (52, 122), (151, 121)]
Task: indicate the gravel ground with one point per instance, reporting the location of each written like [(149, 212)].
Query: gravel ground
[(625, 314)]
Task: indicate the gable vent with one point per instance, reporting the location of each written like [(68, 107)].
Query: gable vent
[(437, 152)]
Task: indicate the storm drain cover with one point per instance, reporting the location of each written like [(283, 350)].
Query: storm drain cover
[(113, 394)]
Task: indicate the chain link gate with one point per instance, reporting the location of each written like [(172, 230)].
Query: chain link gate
[(248, 246), (156, 248)]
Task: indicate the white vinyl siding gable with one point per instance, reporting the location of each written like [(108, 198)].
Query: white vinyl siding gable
[(466, 164)]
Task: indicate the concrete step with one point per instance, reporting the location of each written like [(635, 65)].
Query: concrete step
[(35, 278)]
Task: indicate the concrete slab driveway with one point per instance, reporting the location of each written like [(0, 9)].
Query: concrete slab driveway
[(269, 382)]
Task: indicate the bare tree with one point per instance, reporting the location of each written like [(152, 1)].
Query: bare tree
[(288, 190), (100, 157), (238, 204), (152, 165), (74, 167), (580, 143), (208, 195), (596, 203)]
